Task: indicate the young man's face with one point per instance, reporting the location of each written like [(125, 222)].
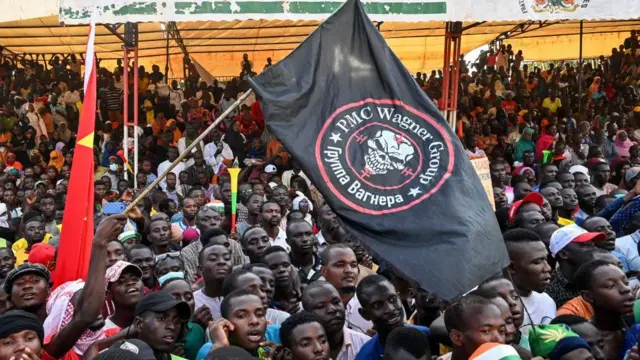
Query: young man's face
[(301, 238), (146, 167), (167, 265), (309, 342), (208, 219), (160, 233), (325, 303), (268, 280), (189, 209), (199, 197), (171, 181), (257, 242), (160, 330), (581, 179), (34, 231), (610, 290), (143, 258), (271, 214), (7, 262), (115, 253), (247, 314), (567, 181), (529, 265), (48, 208), (253, 283), (101, 190), (215, 263), (483, 325), (280, 196), (280, 263), (128, 290), (29, 291), (341, 269), (382, 306), (14, 346), (253, 205)]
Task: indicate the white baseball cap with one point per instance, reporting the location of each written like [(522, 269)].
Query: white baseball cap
[(270, 169), (572, 233)]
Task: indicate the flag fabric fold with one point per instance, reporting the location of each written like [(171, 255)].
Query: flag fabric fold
[(382, 155), (74, 249)]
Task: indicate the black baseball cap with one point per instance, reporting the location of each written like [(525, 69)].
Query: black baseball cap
[(136, 346), (23, 269), (161, 301)]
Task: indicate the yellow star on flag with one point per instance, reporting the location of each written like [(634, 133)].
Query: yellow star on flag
[(87, 141)]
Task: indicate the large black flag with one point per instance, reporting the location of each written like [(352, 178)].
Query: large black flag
[(382, 155)]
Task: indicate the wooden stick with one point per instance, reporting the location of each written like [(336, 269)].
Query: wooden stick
[(155, 183)]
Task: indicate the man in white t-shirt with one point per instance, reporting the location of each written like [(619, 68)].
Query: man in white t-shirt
[(531, 274), (215, 262), (172, 155)]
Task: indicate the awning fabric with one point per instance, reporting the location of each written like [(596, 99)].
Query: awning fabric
[(219, 45)]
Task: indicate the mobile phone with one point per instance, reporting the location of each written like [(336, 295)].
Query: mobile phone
[(113, 208)]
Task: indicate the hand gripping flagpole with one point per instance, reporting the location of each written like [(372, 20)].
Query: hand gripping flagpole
[(155, 183)]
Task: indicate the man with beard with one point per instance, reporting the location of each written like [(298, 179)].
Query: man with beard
[(241, 211), (596, 224), (47, 204), (159, 321), (160, 236), (340, 269), (552, 195), (323, 300), (304, 338), (280, 195), (587, 200), (142, 257), (301, 239), (188, 221), (531, 274), (243, 323), (329, 224), (253, 204), (571, 246), (125, 289), (381, 305), (255, 242), (270, 217), (215, 265)]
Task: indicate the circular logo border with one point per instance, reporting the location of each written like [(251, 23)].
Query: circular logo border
[(428, 119)]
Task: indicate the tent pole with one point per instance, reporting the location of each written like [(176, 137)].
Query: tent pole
[(166, 67), (580, 64), (136, 106), (125, 115), (187, 151)]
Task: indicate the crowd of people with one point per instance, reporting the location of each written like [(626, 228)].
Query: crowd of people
[(173, 279)]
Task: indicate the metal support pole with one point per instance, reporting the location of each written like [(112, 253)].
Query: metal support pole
[(125, 115), (581, 70), (187, 151), (166, 67), (451, 72), (136, 106)]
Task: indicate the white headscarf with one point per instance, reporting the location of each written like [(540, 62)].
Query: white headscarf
[(296, 206), (4, 215), (60, 312)]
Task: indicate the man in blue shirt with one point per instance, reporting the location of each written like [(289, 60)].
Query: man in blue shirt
[(381, 305)]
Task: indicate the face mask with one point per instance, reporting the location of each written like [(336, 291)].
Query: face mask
[(113, 167)]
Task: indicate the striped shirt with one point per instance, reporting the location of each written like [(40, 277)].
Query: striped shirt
[(114, 99)]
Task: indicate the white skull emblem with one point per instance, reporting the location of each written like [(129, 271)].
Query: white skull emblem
[(388, 151)]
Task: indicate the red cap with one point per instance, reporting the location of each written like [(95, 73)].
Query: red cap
[(190, 235), (42, 253), (533, 197)]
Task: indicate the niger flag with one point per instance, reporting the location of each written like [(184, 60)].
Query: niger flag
[(74, 250)]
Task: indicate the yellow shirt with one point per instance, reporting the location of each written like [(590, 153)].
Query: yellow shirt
[(564, 222), (552, 105), (20, 249)]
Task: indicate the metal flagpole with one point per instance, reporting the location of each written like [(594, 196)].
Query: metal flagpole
[(581, 70), (206, 132), (125, 115), (136, 79)]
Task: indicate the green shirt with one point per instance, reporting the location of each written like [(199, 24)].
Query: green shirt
[(194, 340)]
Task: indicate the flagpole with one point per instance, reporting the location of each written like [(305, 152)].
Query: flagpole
[(206, 132)]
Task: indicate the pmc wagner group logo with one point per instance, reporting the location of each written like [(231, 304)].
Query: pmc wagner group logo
[(552, 6), (382, 156)]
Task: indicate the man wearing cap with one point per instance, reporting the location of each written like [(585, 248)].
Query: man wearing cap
[(571, 246), (43, 254), (34, 232), (129, 238), (28, 286), (7, 262), (527, 213), (123, 282), (159, 320), (21, 336)]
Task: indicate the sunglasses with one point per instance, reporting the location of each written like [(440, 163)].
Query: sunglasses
[(172, 255)]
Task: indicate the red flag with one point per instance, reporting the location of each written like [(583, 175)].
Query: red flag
[(74, 250)]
